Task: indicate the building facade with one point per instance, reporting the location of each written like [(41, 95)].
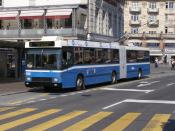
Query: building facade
[(22, 20), (151, 23)]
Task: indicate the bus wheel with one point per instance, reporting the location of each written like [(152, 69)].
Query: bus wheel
[(140, 74), (114, 78), (80, 83)]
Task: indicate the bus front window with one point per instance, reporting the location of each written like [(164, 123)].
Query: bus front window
[(43, 59)]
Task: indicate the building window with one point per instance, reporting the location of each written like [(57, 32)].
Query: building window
[(134, 30), (134, 17), (135, 4), (110, 20), (152, 18), (27, 24), (166, 30), (1, 27), (0, 2), (82, 21), (152, 32), (170, 45), (152, 5), (153, 45), (170, 5)]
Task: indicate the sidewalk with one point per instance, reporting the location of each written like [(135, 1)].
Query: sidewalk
[(162, 69), (10, 86)]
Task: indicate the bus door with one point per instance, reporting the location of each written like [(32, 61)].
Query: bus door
[(123, 67)]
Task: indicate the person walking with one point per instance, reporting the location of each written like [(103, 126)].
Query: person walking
[(172, 64), (156, 62)]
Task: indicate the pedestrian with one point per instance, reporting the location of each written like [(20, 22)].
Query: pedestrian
[(156, 62), (172, 64)]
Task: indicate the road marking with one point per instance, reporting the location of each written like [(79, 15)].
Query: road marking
[(16, 113), (56, 121), (157, 122), (150, 101), (25, 100), (129, 90), (170, 84), (42, 99), (147, 84), (6, 108), (143, 82), (107, 107), (140, 101), (122, 122), (84, 124), (22, 121)]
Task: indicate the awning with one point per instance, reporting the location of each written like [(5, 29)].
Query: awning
[(58, 14), (8, 15), (32, 14)]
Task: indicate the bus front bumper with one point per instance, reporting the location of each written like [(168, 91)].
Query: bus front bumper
[(42, 84)]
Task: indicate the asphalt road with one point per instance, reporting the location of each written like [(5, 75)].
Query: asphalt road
[(131, 105)]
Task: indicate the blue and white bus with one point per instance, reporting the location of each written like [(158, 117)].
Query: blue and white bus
[(54, 62)]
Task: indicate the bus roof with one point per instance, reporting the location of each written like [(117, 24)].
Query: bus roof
[(59, 42)]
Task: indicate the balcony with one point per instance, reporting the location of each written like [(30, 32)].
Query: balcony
[(38, 33), (135, 9), (147, 35), (168, 36), (137, 35), (155, 10), (153, 23), (137, 22)]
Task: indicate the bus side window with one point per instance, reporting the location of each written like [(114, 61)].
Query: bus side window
[(67, 59)]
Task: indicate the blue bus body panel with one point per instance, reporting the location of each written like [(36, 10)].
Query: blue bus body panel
[(67, 77), (132, 70), (43, 74), (91, 75)]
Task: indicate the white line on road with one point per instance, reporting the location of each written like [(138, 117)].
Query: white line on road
[(144, 82), (170, 84), (140, 101), (107, 107), (129, 90), (150, 101), (147, 84)]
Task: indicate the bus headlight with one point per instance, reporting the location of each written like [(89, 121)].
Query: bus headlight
[(55, 80), (28, 79)]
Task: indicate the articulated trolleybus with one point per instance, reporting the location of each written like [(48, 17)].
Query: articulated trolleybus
[(54, 62)]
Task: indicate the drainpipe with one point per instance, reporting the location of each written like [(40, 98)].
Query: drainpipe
[(19, 23), (45, 22)]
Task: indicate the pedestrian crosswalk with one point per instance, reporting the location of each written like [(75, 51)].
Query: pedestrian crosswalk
[(17, 119)]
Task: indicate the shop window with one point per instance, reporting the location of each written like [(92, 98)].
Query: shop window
[(68, 22), (154, 45), (82, 21), (27, 23), (170, 45), (49, 23), (1, 26)]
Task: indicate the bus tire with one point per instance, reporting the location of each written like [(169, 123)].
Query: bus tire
[(139, 74), (113, 78), (80, 83)]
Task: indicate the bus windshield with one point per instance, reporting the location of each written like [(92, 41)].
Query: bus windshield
[(44, 59)]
